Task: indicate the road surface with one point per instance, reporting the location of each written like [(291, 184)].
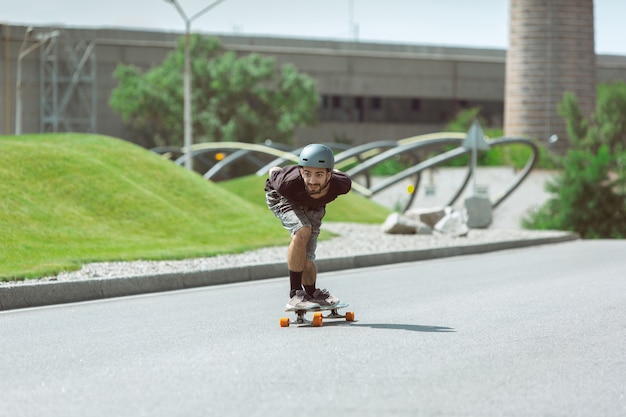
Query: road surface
[(538, 331)]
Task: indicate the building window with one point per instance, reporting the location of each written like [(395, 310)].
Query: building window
[(360, 113)]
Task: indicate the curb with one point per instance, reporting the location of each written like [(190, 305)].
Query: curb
[(39, 294)]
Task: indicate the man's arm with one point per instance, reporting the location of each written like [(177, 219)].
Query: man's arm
[(343, 181)]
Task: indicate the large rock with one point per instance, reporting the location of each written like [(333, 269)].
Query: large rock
[(398, 224), (453, 224), (479, 212), (428, 216)]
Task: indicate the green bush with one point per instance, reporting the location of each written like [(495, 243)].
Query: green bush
[(589, 195), (587, 201)]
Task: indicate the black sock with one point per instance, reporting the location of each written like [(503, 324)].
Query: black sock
[(310, 289), (295, 280)]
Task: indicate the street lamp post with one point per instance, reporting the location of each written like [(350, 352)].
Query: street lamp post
[(187, 77), (41, 39)]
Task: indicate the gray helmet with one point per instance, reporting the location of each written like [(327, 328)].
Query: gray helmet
[(317, 156)]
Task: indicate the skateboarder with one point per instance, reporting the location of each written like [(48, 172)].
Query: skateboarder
[(297, 195)]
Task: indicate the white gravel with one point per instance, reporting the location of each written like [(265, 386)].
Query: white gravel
[(353, 239)]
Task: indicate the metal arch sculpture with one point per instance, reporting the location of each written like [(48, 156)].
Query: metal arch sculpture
[(359, 160), (440, 139), (241, 150), (247, 150), (409, 145)]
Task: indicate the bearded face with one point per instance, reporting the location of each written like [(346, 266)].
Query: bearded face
[(316, 180)]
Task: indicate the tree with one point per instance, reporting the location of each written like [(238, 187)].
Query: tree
[(589, 195), (246, 99)]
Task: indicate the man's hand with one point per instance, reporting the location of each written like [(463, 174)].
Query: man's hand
[(272, 169)]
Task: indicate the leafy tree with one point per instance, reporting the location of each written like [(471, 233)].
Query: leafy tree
[(610, 118), (234, 98), (586, 200), (606, 126), (589, 195)]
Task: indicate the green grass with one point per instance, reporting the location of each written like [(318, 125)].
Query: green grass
[(69, 199)]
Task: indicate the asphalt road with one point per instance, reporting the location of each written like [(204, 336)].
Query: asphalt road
[(539, 331)]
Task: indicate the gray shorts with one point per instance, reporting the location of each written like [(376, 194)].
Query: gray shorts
[(293, 218)]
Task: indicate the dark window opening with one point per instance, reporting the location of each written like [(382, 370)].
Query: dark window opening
[(376, 109)]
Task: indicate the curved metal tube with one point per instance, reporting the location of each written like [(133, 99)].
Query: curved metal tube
[(233, 157), (524, 172), (360, 153)]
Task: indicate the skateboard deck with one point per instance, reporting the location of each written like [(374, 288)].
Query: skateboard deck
[(318, 315)]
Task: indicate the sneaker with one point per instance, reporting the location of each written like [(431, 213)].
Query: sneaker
[(323, 298), (302, 300)]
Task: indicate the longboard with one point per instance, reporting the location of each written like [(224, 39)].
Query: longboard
[(318, 315)]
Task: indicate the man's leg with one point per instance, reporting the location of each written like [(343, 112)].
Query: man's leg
[(296, 258), (309, 276), (296, 221)]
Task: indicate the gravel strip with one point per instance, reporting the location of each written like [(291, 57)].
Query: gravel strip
[(353, 239)]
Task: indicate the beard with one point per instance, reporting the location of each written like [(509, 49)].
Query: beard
[(318, 188)]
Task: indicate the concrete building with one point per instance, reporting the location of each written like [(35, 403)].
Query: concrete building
[(369, 91)]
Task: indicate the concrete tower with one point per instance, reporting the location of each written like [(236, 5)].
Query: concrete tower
[(551, 51)]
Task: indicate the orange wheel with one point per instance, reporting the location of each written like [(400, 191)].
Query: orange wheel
[(318, 314), (349, 315), (284, 322), (317, 320)]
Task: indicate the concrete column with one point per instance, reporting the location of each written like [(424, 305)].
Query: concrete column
[(551, 51)]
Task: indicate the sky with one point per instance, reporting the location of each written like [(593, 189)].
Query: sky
[(465, 23)]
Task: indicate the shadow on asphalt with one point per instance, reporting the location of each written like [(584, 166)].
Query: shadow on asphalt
[(409, 327), (329, 322)]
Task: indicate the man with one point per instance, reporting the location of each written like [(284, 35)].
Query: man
[(297, 195)]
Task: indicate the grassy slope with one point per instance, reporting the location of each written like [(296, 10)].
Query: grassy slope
[(68, 199)]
